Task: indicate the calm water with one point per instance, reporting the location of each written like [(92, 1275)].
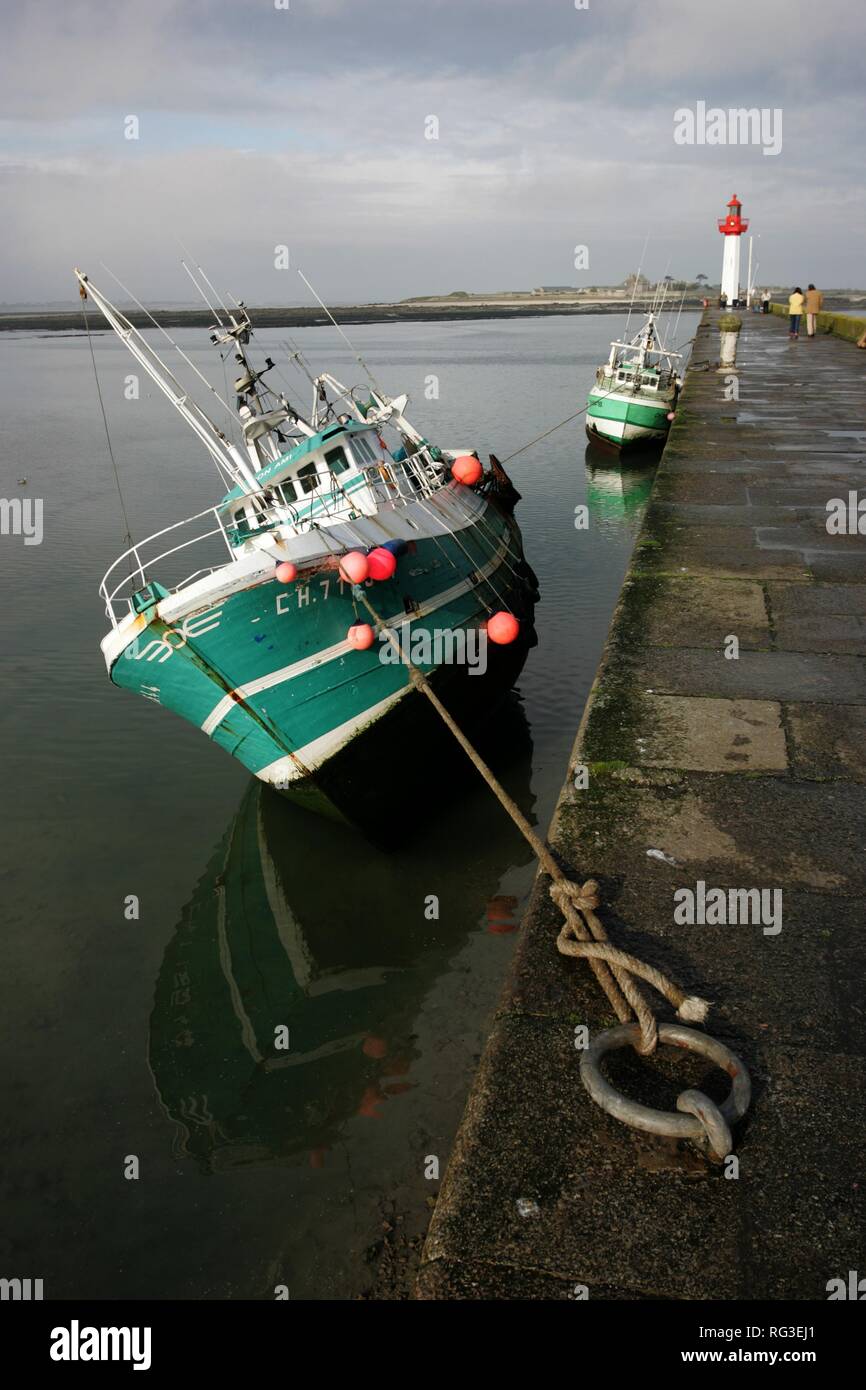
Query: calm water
[(153, 1038)]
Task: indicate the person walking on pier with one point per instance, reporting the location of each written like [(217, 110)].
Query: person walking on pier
[(765, 302), (814, 300), (795, 311)]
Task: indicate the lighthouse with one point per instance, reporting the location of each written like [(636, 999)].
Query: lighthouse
[(732, 228)]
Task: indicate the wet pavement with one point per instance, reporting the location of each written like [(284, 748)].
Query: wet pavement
[(742, 764)]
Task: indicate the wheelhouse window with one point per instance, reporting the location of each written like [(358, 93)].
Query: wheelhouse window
[(262, 505), (366, 453), (336, 460), (307, 478)]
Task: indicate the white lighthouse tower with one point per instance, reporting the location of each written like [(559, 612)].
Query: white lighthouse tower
[(732, 228)]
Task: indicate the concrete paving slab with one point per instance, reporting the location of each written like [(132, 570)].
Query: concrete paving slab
[(726, 829), (710, 735), (718, 489), (747, 514), (756, 983), (807, 676), (724, 552), (536, 1137), (791, 600), (562, 1189), (845, 632), (828, 741), (701, 612)]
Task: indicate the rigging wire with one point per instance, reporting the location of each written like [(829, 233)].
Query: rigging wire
[(672, 331), (661, 293), (358, 358), (494, 543), (483, 579), (636, 281), (169, 339), (128, 536), (214, 291), (296, 359), (210, 308)]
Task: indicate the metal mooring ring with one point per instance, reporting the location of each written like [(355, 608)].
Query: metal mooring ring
[(706, 1120)]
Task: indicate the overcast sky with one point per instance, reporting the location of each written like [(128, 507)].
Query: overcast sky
[(307, 127)]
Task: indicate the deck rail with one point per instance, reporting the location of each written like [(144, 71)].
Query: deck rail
[(393, 482), (138, 560)]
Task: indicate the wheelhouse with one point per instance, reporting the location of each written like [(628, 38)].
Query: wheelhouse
[(355, 455), (644, 364), (339, 473)]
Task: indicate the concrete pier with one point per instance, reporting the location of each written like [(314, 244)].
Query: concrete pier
[(738, 764)]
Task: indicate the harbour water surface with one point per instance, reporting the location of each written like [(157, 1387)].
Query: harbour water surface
[(152, 1038)]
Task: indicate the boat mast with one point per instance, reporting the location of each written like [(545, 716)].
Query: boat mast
[(260, 425), (227, 456), (646, 341)]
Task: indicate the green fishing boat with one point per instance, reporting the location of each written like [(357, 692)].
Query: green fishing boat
[(280, 620), (635, 393)]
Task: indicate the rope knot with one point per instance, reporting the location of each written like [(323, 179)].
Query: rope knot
[(618, 972), (585, 898)]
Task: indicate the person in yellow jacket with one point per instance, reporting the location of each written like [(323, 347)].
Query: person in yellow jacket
[(814, 300), (796, 303)]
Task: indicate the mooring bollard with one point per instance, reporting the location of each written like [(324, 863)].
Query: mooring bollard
[(729, 328)]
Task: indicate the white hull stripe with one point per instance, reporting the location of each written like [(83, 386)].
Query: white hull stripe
[(318, 750), (309, 663), (622, 429), (452, 510)]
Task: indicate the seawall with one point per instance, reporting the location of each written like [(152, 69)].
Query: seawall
[(738, 764)]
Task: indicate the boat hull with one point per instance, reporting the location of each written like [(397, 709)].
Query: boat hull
[(268, 674), (622, 421)]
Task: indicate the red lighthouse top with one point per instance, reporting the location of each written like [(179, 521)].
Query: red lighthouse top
[(733, 224)]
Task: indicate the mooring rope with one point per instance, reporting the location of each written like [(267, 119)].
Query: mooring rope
[(538, 438), (582, 934), (603, 395), (576, 416)]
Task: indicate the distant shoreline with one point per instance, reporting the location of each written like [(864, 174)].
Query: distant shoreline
[(301, 317), (437, 311)]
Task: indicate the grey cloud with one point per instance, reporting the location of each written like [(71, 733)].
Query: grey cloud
[(261, 127)]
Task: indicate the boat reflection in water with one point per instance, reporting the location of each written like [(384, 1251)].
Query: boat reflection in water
[(617, 494), (299, 923)]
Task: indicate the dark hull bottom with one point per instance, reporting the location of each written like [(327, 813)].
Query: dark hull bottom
[(408, 764), (611, 449)]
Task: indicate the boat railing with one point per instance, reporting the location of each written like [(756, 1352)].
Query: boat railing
[(629, 375), (425, 471), (407, 478), (390, 479), (396, 481), (117, 588)]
